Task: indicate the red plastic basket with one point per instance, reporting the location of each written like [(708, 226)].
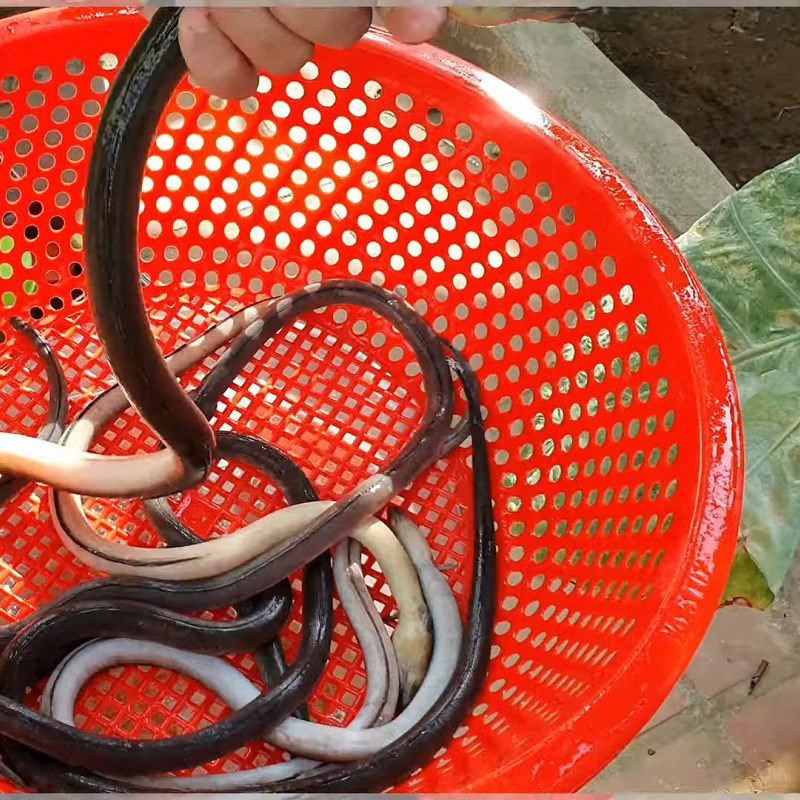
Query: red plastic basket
[(612, 414)]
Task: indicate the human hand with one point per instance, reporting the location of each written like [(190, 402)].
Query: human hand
[(225, 48)]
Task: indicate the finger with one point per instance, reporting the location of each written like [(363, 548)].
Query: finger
[(268, 44), (331, 27), (414, 24), (213, 60)]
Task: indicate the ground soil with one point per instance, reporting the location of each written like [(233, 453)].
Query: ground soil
[(729, 77)]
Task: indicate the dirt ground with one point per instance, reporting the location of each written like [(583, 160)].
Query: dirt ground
[(728, 77)]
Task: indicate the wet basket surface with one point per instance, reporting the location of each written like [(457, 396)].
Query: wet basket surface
[(611, 411)]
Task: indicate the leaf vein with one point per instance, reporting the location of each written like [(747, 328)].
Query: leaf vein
[(793, 295)]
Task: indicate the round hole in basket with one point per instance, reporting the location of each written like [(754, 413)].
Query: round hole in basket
[(611, 410)]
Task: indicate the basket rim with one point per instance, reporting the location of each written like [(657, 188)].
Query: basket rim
[(684, 615)]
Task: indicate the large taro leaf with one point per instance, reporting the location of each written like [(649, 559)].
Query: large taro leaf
[(746, 252)]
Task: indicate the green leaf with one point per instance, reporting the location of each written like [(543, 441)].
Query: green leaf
[(746, 253), (746, 584)]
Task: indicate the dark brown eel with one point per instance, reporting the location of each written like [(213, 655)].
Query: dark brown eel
[(428, 443), (57, 401), (134, 107)]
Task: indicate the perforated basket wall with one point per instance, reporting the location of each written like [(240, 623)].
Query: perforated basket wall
[(611, 410)]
